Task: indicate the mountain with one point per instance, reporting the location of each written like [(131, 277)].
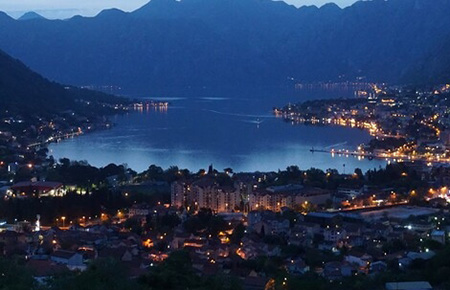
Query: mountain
[(24, 91), (434, 67), (4, 18), (30, 16), (170, 47)]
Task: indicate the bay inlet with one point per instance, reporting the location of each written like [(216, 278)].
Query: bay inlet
[(241, 133)]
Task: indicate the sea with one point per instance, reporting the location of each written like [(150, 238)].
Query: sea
[(227, 132)]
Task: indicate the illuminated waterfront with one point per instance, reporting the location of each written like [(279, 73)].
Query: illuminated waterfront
[(406, 125)]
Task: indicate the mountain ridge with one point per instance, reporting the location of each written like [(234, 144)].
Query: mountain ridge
[(205, 46), (31, 16)]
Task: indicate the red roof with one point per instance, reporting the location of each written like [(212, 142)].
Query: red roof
[(39, 185)]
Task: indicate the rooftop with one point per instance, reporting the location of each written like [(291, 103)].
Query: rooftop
[(421, 285), (44, 185)]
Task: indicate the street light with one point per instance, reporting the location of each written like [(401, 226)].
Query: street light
[(63, 218)]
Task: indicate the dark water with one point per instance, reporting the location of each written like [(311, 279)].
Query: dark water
[(238, 133)]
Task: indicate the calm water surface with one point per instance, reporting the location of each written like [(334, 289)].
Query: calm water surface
[(238, 133)]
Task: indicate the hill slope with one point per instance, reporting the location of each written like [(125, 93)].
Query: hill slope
[(24, 91)]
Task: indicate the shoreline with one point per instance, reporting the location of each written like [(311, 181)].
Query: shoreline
[(33, 150), (405, 125), (107, 124), (140, 160)]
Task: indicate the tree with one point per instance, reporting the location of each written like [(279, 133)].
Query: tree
[(101, 274), (133, 225), (175, 273), (359, 173), (14, 276), (65, 162), (238, 234)]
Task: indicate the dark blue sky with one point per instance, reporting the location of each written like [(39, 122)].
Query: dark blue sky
[(68, 8)]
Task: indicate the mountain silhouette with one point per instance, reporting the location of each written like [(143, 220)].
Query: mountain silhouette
[(222, 47)]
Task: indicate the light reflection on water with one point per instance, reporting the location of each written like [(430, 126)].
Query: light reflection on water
[(236, 133)]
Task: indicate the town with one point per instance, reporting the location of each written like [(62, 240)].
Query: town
[(25, 133), (175, 145), (292, 229), (407, 124), (387, 228)]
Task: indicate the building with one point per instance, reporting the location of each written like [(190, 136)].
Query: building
[(72, 260), (38, 188), (141, 210), (179, 192), (438, 236), (291, 196), (350, 192), (334, 234), (3, 190), (408, 286), (297, 267), (337, 270), (378, 266), (205, 193), (361, 259)]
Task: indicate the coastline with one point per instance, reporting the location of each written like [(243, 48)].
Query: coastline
[(104, 124), (405, 125), (142, 140), (32, 150)]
